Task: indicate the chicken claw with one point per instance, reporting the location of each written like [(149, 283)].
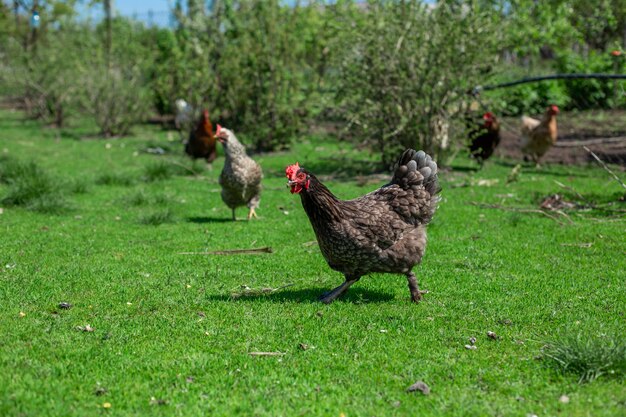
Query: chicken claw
[(252, 214)]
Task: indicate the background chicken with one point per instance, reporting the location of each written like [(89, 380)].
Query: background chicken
[(241, 177), (184, 115), (484, 136), (383, 231), (538, 136), (201, 143)]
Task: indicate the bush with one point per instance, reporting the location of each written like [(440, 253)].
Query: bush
[(400, 79), (531, 98), (588, 357), (31, 187), (157, 218), (116, 98), (593, 93)]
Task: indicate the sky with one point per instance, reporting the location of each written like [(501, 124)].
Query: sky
[(142, 9)]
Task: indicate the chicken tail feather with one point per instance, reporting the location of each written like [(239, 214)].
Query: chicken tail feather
[(415, 168)]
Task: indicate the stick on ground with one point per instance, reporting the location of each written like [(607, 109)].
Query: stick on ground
[(252, 251), (606, 168)]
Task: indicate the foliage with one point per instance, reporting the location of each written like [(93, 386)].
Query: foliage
[(156, 218), (587, 356), (31, 187), (594, 93), (116, 98), (394, 72), (400, 77), (531, 98), (45, 74)]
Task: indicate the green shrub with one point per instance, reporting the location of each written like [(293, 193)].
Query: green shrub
[(400, 80), (593, 93), (588, 357), (114, 178), (531, 98), (157, 218), (31, 187)]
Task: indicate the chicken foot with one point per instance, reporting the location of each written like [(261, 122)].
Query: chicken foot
[(416, 293), (330, 296), (252, 214)]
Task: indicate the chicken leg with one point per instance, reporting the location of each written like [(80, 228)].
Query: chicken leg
[(252, 214), (330, 296), (234, 218), (416, 293)]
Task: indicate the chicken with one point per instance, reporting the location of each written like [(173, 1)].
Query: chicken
[(538, 136), (201, 143), (484, 136), (383, 231), (241, 177), (184, 115)]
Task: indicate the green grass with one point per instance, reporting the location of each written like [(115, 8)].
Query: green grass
[(170, 339), (30, 187), (589, 357)]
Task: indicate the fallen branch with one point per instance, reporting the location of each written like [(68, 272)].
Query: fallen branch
[(579, 195), (252, 251), (266, 353), (517, 210), (606, 168)]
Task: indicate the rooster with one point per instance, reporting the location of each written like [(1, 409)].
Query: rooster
[(538, 136), (383, 231), (484, 136), (201, 143), (241, 176)]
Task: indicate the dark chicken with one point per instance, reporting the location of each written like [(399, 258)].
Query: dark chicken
[(484, 136), (201, 143), (383, 231)]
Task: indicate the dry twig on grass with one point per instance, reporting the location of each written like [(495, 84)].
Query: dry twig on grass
[(606, 168), (252, 251), (266, 353)]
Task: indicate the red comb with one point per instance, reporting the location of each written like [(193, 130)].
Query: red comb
[(217, 131), (292, 170)]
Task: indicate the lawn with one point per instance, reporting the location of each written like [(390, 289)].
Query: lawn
[(153, 331)]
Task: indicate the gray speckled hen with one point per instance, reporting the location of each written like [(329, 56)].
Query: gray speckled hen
[(383, 231), (241, 176)]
